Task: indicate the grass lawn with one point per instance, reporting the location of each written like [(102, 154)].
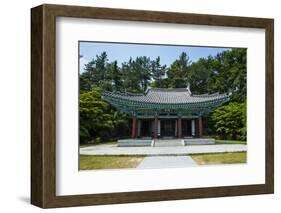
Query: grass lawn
[(231, 142), (88, 162), (94, 144), (220, 158)]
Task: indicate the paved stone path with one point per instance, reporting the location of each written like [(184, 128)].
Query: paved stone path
[(162, 151), (166, 162)]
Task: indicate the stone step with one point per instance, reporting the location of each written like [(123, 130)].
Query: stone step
[(134, 142), (158, 143), (199, 141)]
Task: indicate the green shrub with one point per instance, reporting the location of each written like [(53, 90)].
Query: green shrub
[(230, 121)]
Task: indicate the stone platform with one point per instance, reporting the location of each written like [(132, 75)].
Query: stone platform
[(109, 149), (134, 142), (165, 142), (199, 141)]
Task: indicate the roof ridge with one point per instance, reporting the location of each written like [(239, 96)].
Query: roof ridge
[(169, 89)]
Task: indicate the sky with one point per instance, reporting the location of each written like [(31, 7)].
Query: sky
[(123, 51)]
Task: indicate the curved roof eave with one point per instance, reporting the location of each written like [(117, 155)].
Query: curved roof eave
[(117, 98), (141, 105)]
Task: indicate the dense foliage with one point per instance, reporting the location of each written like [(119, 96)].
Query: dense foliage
[(230, 120), (225, 72), (95, 116)]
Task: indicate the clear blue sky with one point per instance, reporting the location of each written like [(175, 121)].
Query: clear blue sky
[(123, 51)]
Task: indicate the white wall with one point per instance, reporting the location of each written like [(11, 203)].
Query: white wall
[(15, 104)]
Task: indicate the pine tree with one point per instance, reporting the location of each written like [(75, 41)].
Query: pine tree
[(158, 73), (178, 71)]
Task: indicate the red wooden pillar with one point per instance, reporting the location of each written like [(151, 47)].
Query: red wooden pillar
[(134, 126), (136, 129), (200, 127), (179, 128), (197, 127), (155, 127)]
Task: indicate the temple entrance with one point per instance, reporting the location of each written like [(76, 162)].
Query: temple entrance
[(146, 128), (186, 128), (168, 128)]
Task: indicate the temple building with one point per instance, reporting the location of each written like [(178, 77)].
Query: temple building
[(165, 113)]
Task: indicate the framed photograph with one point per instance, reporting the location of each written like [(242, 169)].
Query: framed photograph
[(137, 106)]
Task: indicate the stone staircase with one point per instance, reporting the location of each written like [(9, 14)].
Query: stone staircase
[(168, 142)]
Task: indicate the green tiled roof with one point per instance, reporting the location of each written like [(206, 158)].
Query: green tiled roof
[(160, 99)]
